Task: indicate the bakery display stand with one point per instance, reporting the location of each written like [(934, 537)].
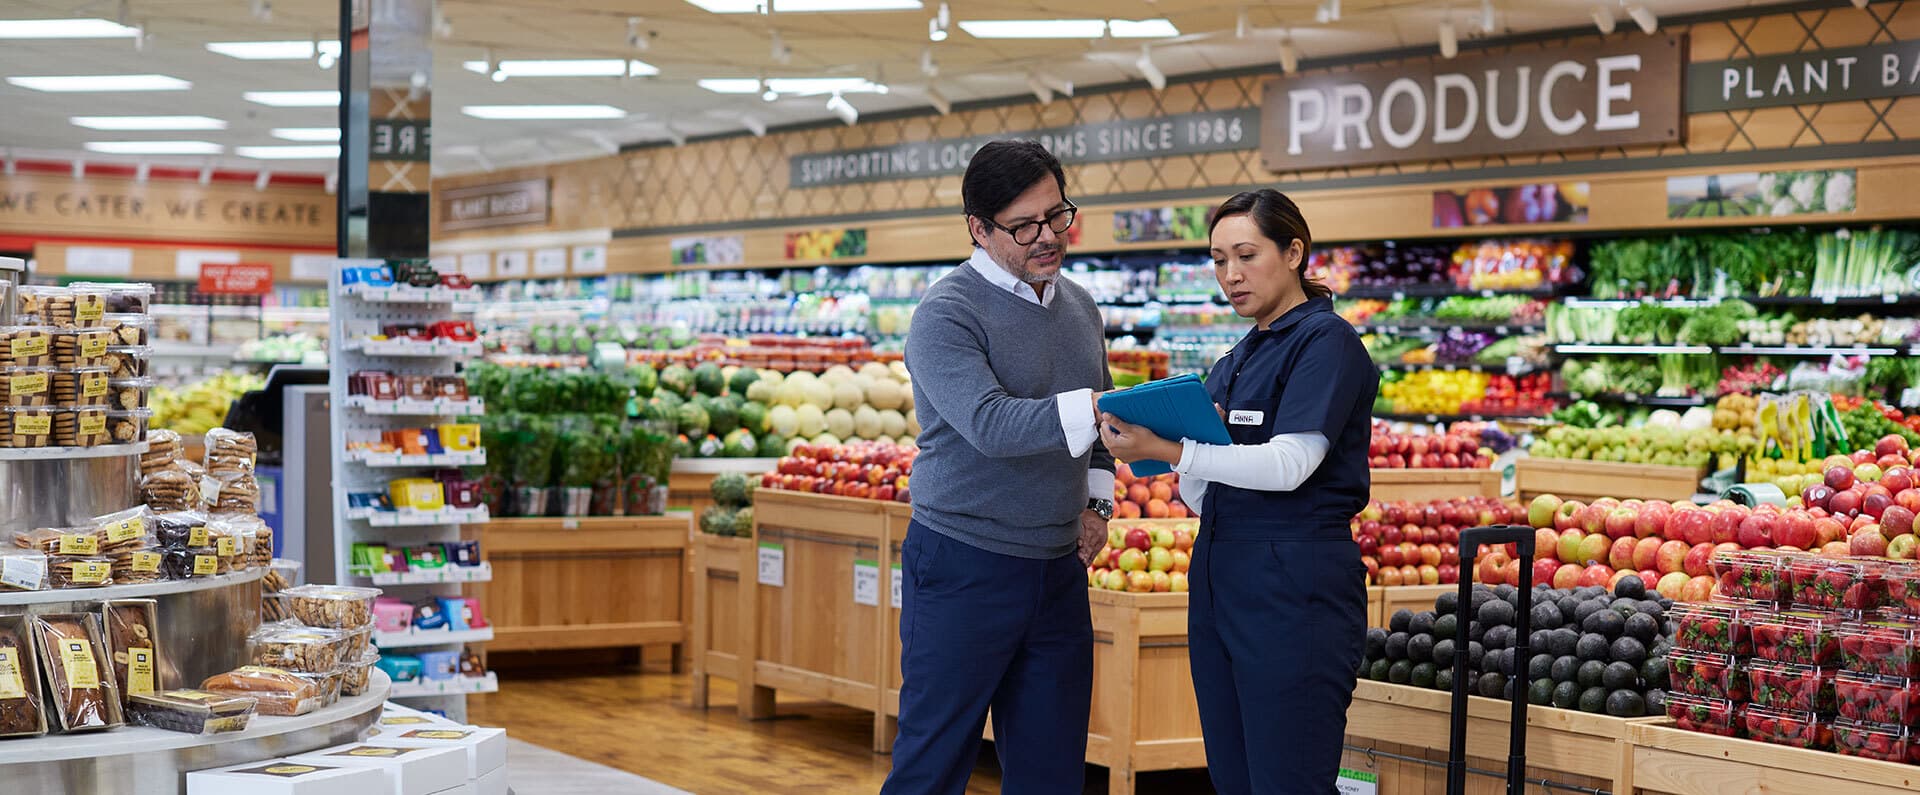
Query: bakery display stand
[(355, 344)]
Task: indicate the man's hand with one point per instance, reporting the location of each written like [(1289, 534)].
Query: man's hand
[(1093, 536)]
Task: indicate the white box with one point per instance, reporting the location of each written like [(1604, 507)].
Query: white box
[(286, 777), (494, 783), (411, 771), (395, 715), (486, 749)]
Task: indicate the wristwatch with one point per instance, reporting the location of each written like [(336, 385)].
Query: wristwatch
[(1102, 507)]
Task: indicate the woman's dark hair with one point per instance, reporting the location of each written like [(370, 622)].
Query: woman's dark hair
[(1280, 220), (1001, 171)]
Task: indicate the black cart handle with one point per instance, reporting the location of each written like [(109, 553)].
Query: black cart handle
[(1471, 540)]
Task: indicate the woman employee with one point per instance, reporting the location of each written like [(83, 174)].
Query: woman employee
[(1277, 616)]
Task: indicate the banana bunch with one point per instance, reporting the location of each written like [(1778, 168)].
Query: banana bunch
[(197, 408)]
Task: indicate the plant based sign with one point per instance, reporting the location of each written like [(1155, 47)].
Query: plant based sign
[(1771, 194), (500, 204), (1805, 78), (1618, 93)]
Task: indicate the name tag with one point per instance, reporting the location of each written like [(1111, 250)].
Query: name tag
[(1242, 417)]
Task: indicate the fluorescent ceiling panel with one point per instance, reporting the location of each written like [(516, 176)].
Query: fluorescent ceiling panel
[(315, 134), (95, 83), (65, 29), (154, 147), (542, 112), (1034, 28), (1142, 29), (804, 6), (592, 67), (273, 50), (798, 86), (148, 122), (288, 152), (294, 99)]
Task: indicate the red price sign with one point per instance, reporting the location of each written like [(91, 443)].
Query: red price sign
[(239, 278)]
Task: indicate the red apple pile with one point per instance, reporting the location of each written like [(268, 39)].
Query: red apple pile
[(1874, 495), (862, 470), (1458, 448), (1144, 557), (1156, 497), (1417, 543)]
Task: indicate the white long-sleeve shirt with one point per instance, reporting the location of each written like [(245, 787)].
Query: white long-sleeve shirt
[(1281, 464)]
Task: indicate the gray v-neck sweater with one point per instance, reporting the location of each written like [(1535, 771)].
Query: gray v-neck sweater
[(993, 470)]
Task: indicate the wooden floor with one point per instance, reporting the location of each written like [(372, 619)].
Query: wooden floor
[(640, 722)]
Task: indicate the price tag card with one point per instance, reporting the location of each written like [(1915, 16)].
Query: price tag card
[(896, 586), (1354, 782), (866, 583), (773, 564)]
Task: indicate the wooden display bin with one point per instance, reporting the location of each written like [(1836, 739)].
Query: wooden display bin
[(1670, 761), (1433, 484), (1563, 746), (689, 484), (1587, 480), (721, 631), (1144, 714), (1408, 597), (588, 582)]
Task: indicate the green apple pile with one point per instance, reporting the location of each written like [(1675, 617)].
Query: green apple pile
[(1144, 556), (1648, 445)]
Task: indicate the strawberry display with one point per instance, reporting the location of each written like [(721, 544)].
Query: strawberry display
[(1888, 648), (1712, 627), (1752, 574), (1877, 699), (1797, 637), (1788, 727), (1874, 741), (1707, 715), (1790, 686), (1903, 587), (1706, 674), (1853, 585)]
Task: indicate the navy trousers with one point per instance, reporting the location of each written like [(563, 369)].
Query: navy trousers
[(979, 630), (1276, 630)]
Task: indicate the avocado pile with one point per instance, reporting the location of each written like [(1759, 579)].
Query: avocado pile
[(1590, 650)]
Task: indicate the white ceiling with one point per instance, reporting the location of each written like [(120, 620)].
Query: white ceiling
[(686, 43)]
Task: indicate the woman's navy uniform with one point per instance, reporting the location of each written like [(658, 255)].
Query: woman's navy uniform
[(1277, 620)]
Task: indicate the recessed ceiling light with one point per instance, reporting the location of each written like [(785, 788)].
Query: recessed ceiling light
[(577, 67), (148, 122), (293, 99), (154, 147), (65, 29), (273, 50), (1142, 29), (288, 152), (801, 86), (63, 83), (307, 133), (804, 6), (1034, 28), (539, 112)]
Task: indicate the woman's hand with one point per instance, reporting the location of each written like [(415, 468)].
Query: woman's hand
[(1129, 442)]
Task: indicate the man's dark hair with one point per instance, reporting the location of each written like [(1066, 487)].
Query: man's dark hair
[(1001, 171)]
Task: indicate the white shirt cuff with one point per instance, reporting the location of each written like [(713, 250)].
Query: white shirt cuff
[(1186, 456), (1076, 421), (1099, 484)]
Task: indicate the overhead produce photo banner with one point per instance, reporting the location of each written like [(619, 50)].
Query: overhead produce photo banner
[(1623, 93)]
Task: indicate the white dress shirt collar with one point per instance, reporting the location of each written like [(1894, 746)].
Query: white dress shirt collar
[(999, 277)]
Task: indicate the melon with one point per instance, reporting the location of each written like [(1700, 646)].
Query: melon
[(740, 380), (867, 425), (885, 394), (847, 395), (824, 440), (892, 423), (783, 420), (876, 371), (708, 380), (913, 422), (791, 394), (837, 374), (906, 441), (762, 391), (899, 369), (819, 394), (774, 377), (801, 376), (772, 445), (840, 423), (753, 416), (811, 420)]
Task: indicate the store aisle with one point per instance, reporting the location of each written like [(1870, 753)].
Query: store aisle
[(532, 770)]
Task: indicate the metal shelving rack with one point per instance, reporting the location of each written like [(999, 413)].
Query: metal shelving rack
[(353, 313)]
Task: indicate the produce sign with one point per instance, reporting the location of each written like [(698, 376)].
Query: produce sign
[(1774, 194), (1542, 203), (1161, 224)]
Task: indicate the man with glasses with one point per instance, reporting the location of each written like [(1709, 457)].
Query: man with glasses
[(1011, 494)]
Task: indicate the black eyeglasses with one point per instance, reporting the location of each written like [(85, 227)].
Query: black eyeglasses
[(1024, 234)]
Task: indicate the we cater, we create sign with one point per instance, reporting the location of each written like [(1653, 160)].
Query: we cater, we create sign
[(1619, 93)]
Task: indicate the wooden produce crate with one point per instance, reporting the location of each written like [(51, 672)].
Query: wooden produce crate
[(1376, 604), (1410, 597), (1563, 746), (811, 636), (724, 599), (690, 482), (899, 516), (588, 582), (1144, 713), (1421, 485), (1587, 480), (1670, 761)]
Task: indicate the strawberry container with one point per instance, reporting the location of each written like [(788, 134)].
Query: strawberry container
[(1875, 741), (1800, 636), (1855, 585), (1707, 715), (1707, 674), (1752, 574), (1791, 686), (1888, 648), (1877, 699), (1903, 587), (1712, 627), (1796, 728)]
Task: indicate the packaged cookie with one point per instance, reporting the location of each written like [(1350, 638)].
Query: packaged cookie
[(297, 648), (35, 301), (128, 362), (128, 394), (81, 427), (238, 493), (128, 330), (328, 683), (170, 489), (22, 571), (21, 714), (84, 697), (81, 347), (81, 386), (178, 529), (136, 566), (27, 386), (29, 427), (131, 298), (26, 346), (191, 711), (230, 452), (69, 571), (280, 692), (355, 673), (163, 448), (332, 606), (88, 307), (133, 637), (233, 543), (61, 540), (191, 563), (247, 532)]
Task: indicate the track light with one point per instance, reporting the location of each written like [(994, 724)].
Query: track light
[(1240, 24), (1603, 19), (262, 10), (636, 38), (1645, 19), (1054, 83), (1289, 56), (1040, 90), (767, 93), (261, 180), (844, 109), (1449, 40), (673, 134), (442, 25), (754, 125), (1148, 70), (936, 31), (781, 53), (326, 57), (927, 66), (938, 100), (1486, 16), (1860, 3), (494, 72), (1329, 11)]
